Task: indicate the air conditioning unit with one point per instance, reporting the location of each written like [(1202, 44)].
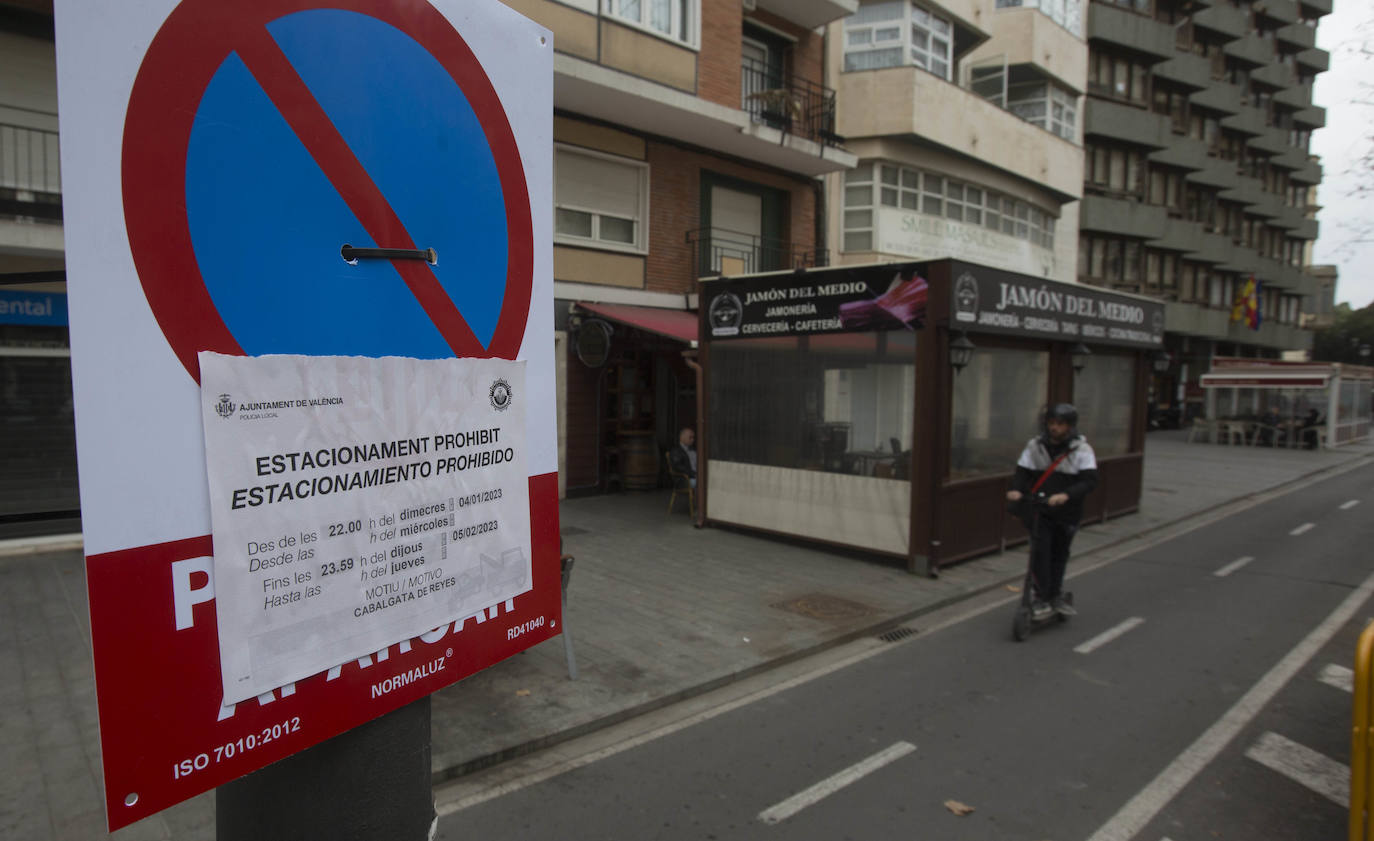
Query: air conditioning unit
[(750, 5)]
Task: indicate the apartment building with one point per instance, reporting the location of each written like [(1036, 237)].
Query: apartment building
[(1198, 176), (690, 136), (964, 115), (37, 432), (689, 140)]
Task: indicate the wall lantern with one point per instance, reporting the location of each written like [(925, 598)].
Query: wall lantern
[(960, 352), (1079, 355), (1162, 360)]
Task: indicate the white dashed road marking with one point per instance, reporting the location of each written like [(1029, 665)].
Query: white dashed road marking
[(1108, 635), (1303, 529), (1141, 809), (1346, 506), (830, 785), (1304, 766), (1338, 676), (1233, 566)]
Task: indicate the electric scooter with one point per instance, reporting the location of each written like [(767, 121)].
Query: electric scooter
[(1028, 618)]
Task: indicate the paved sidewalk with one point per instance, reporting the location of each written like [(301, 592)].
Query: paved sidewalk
[(658, 611)]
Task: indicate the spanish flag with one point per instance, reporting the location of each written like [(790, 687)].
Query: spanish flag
[(1247, 305)]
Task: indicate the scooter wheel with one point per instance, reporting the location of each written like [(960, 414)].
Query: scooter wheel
[(1021, 624)]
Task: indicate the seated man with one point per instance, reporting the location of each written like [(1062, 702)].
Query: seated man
[(1309, 435), (683, 457)]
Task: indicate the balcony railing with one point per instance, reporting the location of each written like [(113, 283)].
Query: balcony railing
[(785, 102), (30, 173), (720, 252)]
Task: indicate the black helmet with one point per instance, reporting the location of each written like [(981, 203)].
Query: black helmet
[(1062, 412)]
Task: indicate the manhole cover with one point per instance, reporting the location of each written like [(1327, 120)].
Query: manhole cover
[(567, 530), (821, 606)]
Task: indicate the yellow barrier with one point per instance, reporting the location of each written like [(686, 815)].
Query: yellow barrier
[(1362, 741)]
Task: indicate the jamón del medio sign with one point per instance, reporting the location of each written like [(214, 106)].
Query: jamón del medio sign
[(858, 300), (991, 301)]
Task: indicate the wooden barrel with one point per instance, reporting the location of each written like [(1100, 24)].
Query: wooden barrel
[(639, 460)]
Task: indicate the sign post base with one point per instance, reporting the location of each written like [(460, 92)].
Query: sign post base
[(373, 781)]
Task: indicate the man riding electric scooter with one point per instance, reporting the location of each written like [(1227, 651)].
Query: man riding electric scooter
[(1059, 466)]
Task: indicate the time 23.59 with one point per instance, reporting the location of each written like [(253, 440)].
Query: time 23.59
[(333, 567)]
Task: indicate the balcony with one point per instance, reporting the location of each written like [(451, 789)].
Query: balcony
[(1298, 35), (810, 14), (1184, 153), (594, 90), (908, 101), (1123, 216), (1315, 59), (1311, 173), (1282, 11), (791, 105), (1187, 69), (1219, 96), (1276, 76), (1317, 7), (1313, 116), (1124, 122), (1217, 172), (1273, 141), (1296, 97), (1223, 19), (1247, 120), (1127, 29), (1251, 49), (716, 251), (30, 174), (1212, 248)]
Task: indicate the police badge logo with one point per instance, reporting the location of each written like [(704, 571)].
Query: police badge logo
[(225, 407), (966, 298), (725, 315), (501, 395)]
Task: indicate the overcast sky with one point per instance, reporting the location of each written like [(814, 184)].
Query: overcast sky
[(1347, 220)]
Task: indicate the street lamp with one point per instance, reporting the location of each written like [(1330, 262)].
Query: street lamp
[(960, 352), (1079, 355)]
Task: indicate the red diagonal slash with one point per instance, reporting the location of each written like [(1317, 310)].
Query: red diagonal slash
[(284, 86)]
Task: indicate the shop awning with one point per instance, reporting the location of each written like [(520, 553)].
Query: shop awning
[(1264, 380), (674, 324)]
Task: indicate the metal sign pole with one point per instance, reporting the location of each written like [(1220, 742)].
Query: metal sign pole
[(372, 782)]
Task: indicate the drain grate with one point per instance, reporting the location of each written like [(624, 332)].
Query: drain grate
[(897, 634), (825, 607)]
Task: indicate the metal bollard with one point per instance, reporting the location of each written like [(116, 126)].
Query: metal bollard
[(1362, 740), (565, 564)]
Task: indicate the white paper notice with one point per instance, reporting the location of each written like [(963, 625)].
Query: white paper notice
[(357, 503)]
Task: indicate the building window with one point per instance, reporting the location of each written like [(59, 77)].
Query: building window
[(1117, 77), (895, 33), (1066, 13), (933, 194), (600, 200), (858, 208), (676, 20), (1045, 105)]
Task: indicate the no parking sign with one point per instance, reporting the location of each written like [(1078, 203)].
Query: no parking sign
[(217, 159)]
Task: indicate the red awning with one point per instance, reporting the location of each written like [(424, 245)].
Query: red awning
[(675, 324), (1250, 379)]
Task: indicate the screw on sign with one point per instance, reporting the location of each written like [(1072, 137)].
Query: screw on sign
[(261, 138)]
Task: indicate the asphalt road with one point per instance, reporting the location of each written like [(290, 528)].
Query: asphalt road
[(1196, 696)]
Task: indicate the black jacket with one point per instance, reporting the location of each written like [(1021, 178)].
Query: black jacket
[(677, 456), (1075, 475)]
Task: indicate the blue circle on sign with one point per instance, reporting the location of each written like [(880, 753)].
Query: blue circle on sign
[(266, 223)]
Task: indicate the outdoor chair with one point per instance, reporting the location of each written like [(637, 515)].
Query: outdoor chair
[(1232, 431), (1201, 427), (1270, 436), (681, 485)]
